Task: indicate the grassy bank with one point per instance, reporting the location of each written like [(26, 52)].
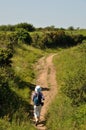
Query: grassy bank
[(68, 111), (17, 112)]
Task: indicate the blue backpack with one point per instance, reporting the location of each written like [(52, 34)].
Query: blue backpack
[(37, 99)]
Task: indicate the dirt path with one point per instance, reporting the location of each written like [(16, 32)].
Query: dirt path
[(46, 78)]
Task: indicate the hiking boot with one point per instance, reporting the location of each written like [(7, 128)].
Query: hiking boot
[(36, 123)]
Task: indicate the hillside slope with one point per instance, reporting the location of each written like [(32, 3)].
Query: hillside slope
[(68, 111)]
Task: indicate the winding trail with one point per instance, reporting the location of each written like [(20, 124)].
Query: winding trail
[(46, 78)]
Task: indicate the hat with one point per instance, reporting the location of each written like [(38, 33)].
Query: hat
[(38, 88)]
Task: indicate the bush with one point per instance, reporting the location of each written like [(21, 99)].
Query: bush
[(7, 28), (55, 39), (23, 36)]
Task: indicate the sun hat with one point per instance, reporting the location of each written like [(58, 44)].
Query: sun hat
[(38, 88)]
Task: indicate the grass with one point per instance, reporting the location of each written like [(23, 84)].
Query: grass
[(68, 111), (23, 62), (70, 63), (5, 125), (20, 89)]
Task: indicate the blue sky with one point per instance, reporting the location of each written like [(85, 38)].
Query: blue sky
[(42, 13)]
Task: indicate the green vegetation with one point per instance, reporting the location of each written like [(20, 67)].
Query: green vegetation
[(68, 111), (76, 32), (21, 46), (17, 80), (16, 125), (26, 26), (15, 89)]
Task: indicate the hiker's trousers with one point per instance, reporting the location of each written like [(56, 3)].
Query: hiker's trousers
[(37, 110)]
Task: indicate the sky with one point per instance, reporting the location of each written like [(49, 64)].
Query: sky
[(43, 13)]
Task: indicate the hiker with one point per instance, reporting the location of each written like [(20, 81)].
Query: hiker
[(37, 98)]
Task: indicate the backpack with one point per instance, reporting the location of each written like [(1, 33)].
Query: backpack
[(37, 99)]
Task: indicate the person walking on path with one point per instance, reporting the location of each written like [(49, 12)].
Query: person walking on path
[(37, 98)]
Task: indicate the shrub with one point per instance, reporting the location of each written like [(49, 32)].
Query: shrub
[(25, 26), (7, 28), (23, 36)]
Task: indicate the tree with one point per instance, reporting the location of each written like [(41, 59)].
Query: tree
[(71, 28), (26, 26)]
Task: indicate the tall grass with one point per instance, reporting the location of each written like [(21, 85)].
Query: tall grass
[(19, 110), (23, 66), (68, 111), (5, 125)]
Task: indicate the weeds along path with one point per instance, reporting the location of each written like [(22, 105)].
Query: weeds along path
[(46, 78)]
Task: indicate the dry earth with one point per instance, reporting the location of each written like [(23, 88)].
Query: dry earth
[(46, 78)]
